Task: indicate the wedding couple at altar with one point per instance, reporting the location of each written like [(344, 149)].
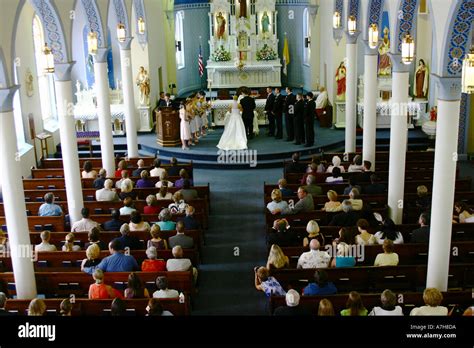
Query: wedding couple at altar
[(240, 124)]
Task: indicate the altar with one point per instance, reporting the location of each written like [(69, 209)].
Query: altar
[(221, 107), (415, 111), (243, 44)]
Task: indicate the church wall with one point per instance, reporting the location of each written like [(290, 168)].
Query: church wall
[(78, 54), (315, 52), (112, 27), (196, 24), (168, 34)]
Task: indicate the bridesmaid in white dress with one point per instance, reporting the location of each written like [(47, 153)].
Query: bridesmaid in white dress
[(234, 136), (185, 129)]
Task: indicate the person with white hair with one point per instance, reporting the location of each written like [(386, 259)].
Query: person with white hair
[(314, 258), (45, 245), (293, 307), (336, 163), (141, 167), (313, 233), (126, 189), (180, 264), (107, 194), (152, 264)]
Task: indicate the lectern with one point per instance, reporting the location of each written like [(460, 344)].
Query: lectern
[(167, 127)]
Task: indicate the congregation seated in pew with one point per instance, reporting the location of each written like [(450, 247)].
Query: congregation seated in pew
[(107, 194), (180, 239), (336, 163), (163, 290), (48, 208), (88, 172), (100, 290), (116, 262), (276, 258), (388, 257), (137, 223), (85, 224), (114, 223), (127, 208), (152, 263), (388, 306), (144, 181), (92, 259), (156, 241), (388, 231), (320, 286), (333, 205), (336, 176), (135, 288), (45, 245), (127, 240), (99, 182), (180, 264)]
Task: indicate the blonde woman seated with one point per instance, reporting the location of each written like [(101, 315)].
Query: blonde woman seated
[(276, 258), (325, 308), (36, 308), (313, 233), (92, 257), (107, 194), (277, 202), (389, 307), (69, 243), (164, 194), (357, 203), (99, 290), (179, 205), (432, 298), (156, 240), (333, 205), (163, 180), (336, 163), (137, 223), (364, 237), (388, 257)]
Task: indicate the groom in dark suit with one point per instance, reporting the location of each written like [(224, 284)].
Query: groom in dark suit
[(248, 107), (278, 107)]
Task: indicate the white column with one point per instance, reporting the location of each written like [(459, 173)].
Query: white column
[(127, 78), (370, 105), (14, 200), (444, 179), (67, 133), (351, 92), (103, 110), (398, 139)]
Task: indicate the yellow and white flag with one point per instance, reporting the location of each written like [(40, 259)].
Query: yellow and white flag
[(286, 56)]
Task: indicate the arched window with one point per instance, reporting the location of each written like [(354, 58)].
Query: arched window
[(306, 37), (45, 81), (179, 38)]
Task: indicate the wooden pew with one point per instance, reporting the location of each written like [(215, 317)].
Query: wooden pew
[(59, 174), (407, 300), (65, 284), (375, 279), (409, 254), (383, 156), (86, 307), (97, 162), (62, 261)]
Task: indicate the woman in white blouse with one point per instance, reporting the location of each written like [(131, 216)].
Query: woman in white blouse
[(277, 203), (364, 237), (432, 298), (336, 163), (388, 257)]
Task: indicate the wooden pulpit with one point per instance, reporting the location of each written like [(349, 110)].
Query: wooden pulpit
[(167, 127)]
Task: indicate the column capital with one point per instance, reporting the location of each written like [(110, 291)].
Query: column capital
[(337, 35), (449, 87), (352, 38), (368, 51), (101, 55), (125, 45), (398, 65), (6, 98), (62, 71)]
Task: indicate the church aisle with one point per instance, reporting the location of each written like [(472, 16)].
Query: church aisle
[(226, 285)]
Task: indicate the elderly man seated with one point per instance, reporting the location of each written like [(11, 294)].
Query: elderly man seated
[(48, 208), (305, 204), (314, 258), (180, 264)]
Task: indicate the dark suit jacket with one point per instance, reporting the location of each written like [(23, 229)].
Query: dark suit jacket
[(248, 106), (162, 103), (374, 189), (295, 167), (278, 105), (421, 235), (4, 312), (269, 103), (130, 241), (289, 100), (182, 240), (299, 108), (99, 183), (345, 219), (113, 225), (190, 223), (310, 109)]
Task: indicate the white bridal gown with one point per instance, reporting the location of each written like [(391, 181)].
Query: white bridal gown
[(234, 136)]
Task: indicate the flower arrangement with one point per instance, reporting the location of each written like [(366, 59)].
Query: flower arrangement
[(221, 55), (266, 53)]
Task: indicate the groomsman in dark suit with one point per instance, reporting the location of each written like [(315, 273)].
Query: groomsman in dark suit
[(309, 114), (290, 101), (299, 119), (278, 113), (166, 102), (269, 112), (248, 107)]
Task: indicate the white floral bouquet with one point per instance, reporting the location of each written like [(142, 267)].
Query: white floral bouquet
[(221, 55), (266, 53)]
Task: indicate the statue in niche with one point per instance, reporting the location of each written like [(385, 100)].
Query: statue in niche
[(341, 81), (385, 64), (29, 83), (243, 8), (265, 25), (143, 83), (220, 30), (420, 87)]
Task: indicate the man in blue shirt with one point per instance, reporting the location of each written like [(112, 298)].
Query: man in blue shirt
[(321, 285), (49, 208), (116, 262)]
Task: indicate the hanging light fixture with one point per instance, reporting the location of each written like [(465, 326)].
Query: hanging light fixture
[(141, 26), (408, 49), (121, 33), (336, 20), (352, 25), (373, 35), (92, 43), (48, 60), (468, 73)]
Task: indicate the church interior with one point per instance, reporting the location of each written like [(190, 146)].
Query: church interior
[(236, 157)]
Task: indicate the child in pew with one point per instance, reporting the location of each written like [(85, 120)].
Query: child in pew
[(69, 243), (99, 290), (269, 285)]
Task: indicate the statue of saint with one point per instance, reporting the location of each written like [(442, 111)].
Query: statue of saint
[(143, 83), (385, 64), (341, 81), (220, 30), (243, 8), (265, 24), (420, 87)]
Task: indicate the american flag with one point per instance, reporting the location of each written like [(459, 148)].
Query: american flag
[(200, 63)]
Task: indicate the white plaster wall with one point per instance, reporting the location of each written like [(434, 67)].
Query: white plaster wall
[(315, 50), (112, 25), (79, 69)]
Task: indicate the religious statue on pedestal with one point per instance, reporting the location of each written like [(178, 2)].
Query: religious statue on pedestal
[(265, 25), (341, 81), (420, 87), (220, 30), (243, 8), (143, 83), (385, 64)]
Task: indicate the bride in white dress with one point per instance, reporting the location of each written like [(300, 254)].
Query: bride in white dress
[(234, 136)]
